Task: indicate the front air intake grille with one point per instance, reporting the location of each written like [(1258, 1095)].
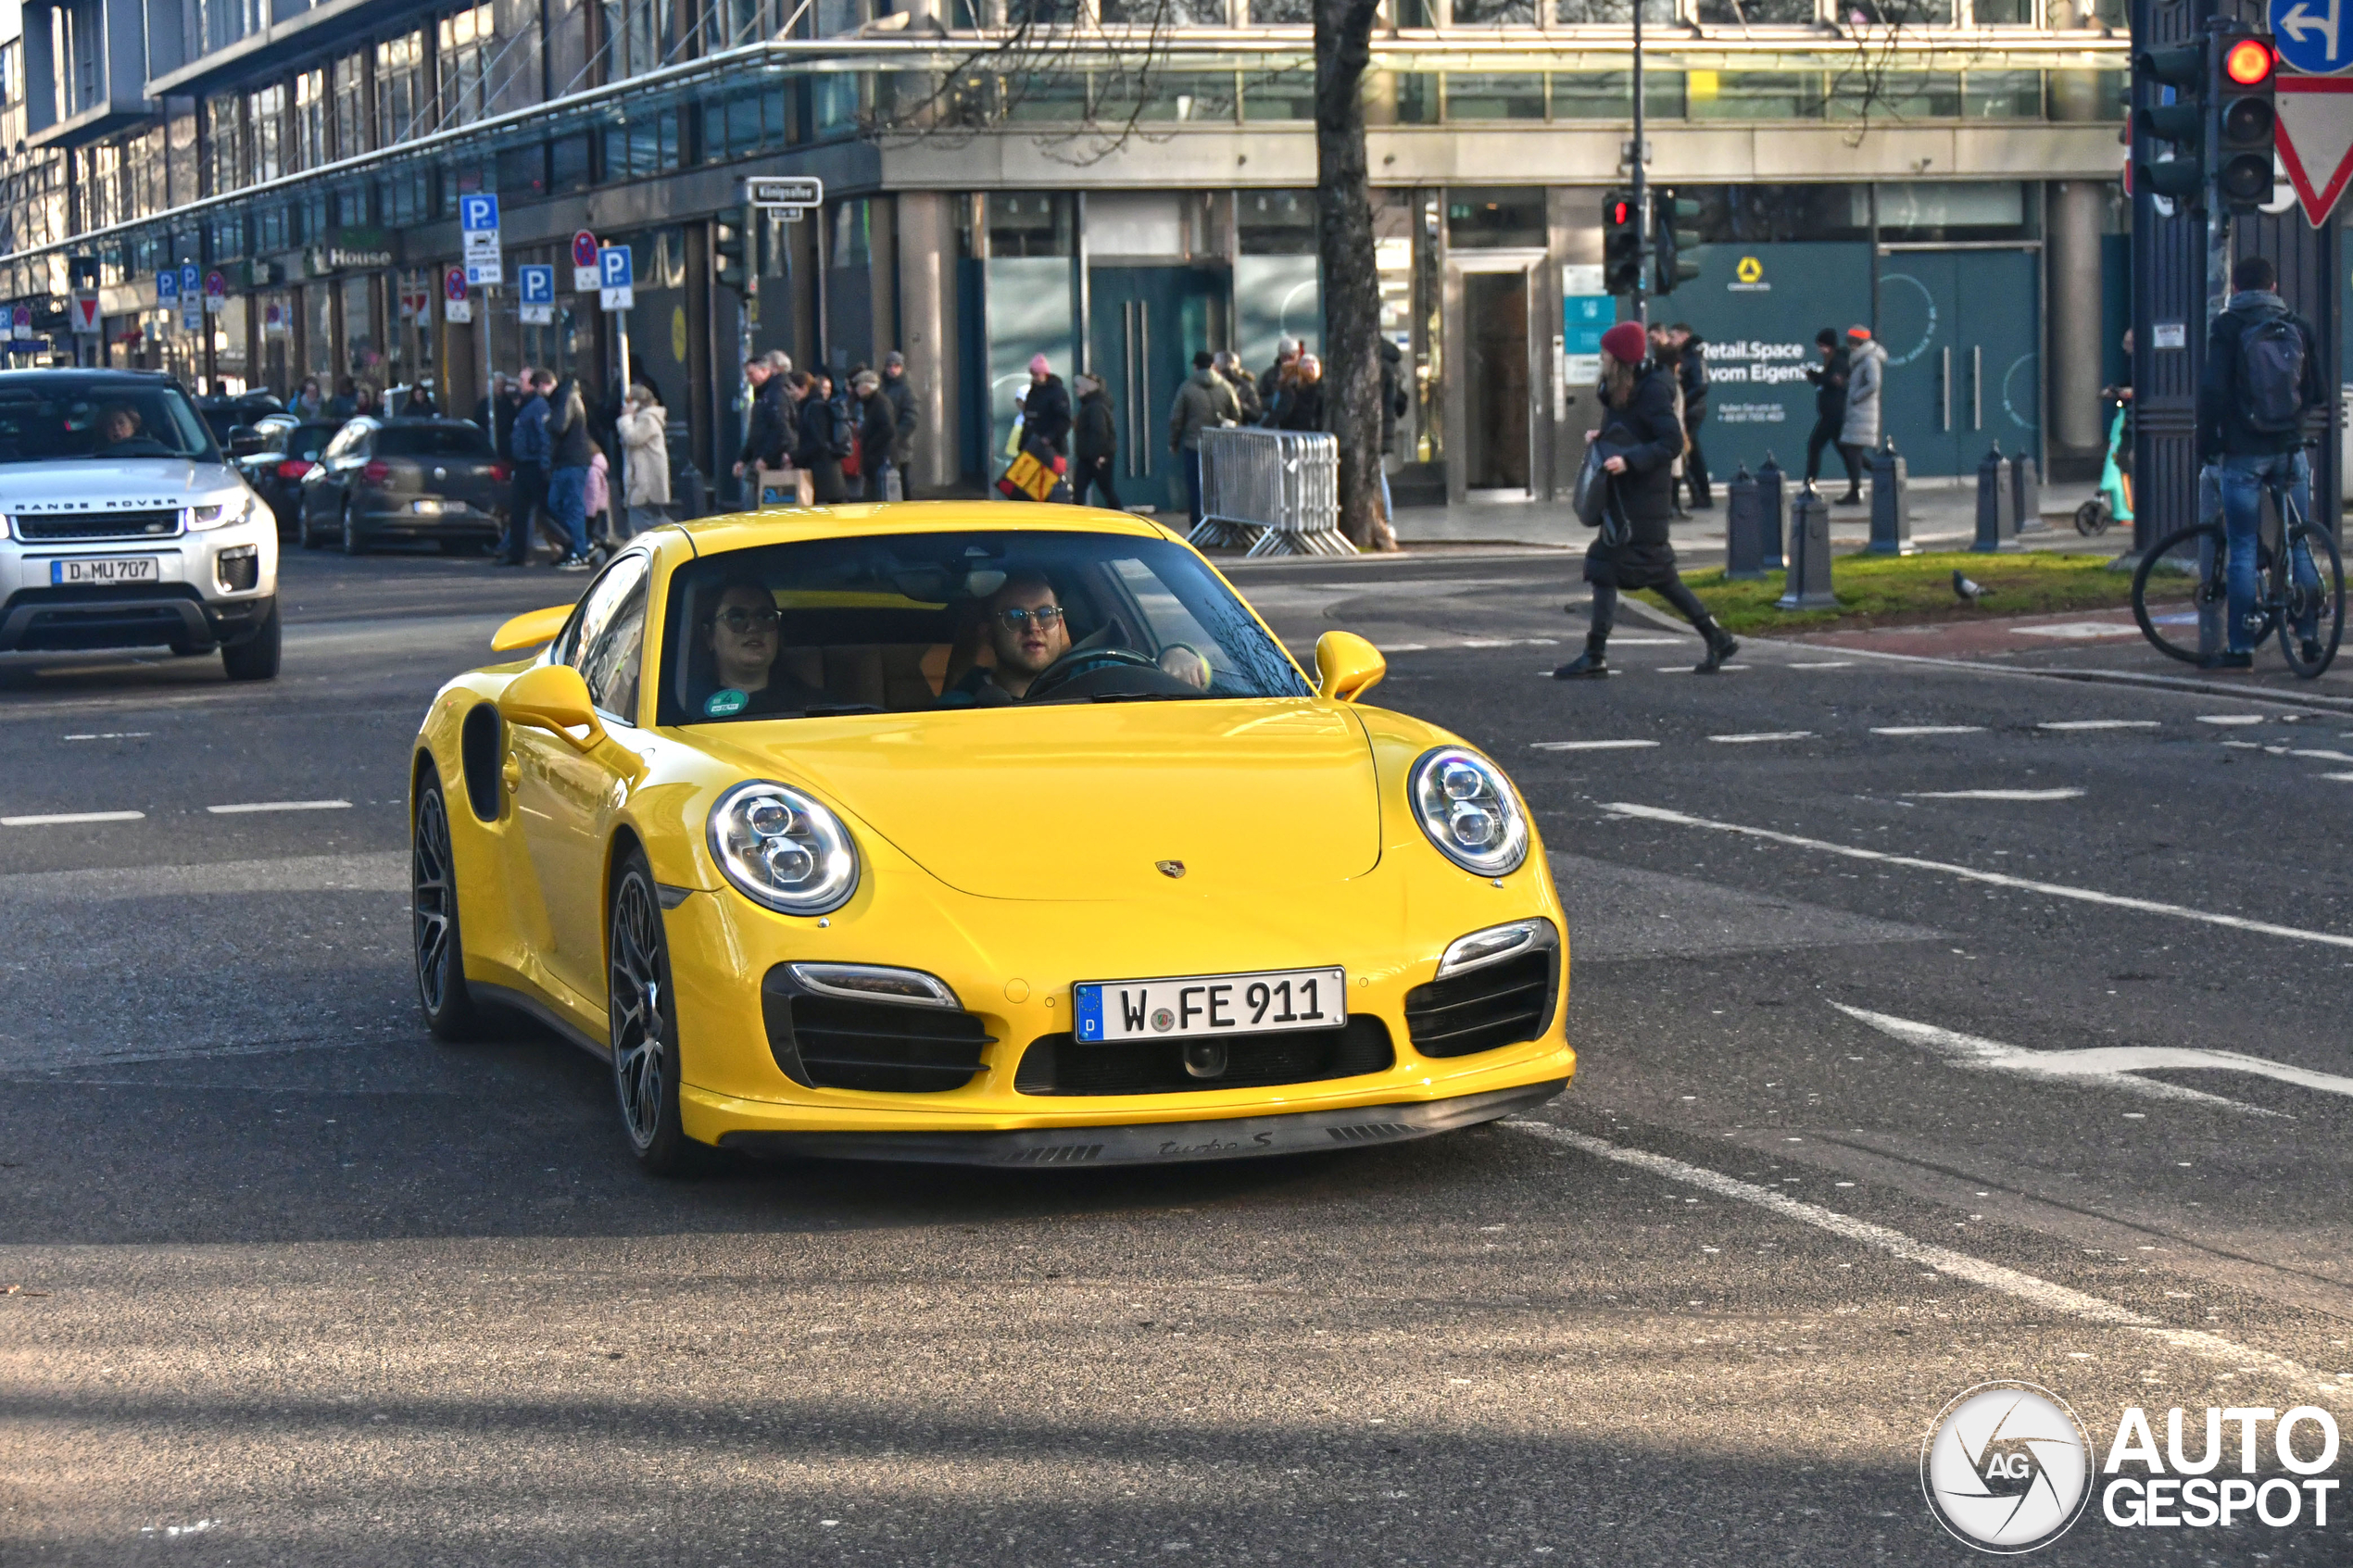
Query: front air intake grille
[(1055, 1064), (79, 527), (884, 1048), (1502, 1004)]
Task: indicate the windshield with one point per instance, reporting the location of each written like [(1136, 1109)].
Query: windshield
[(914, 622), (431, 441), (64, 421), (306, 442)]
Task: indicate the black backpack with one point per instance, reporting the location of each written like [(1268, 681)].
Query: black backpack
[(2271, 374)]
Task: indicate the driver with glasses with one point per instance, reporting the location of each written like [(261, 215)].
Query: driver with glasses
[(1024, 627)]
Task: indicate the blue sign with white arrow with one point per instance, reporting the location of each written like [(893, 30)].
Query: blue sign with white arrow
[(2307, 36), (538, 284)]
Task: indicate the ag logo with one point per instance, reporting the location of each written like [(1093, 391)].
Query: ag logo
[(2007, 1467), (1749, 271)]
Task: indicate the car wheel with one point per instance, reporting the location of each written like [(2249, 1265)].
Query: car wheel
[(437, 942), (353, 543), (255, 658), (644, 1021)]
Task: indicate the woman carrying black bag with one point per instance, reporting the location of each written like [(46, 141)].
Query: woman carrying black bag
[(1641, 437)]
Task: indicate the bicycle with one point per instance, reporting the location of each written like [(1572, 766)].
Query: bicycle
[(2283, 597)]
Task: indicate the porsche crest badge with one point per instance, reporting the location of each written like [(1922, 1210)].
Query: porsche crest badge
[(1170, 868)]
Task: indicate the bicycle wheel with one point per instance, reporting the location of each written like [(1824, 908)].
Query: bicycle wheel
[(2172, 622), (2317, 607)]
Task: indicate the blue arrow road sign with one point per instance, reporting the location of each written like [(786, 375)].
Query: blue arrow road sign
[(477, 213), (614, 268), (2308, 37), (538, 284)]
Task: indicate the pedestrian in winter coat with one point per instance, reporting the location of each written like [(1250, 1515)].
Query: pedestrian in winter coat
[(1830, 409), (527, 494), (1394, 405), (1691, 378), (824, 437), (572, 452), (1300, 407), (902, 406), (1204, 401), (1245, 386), (645, 457), (1287, 352), (346, 402), (596, 495), (877, 430), (1094, 443), (1866, 374), (1046, 412), (418, 404), (307, 404), (1640, 436), (768, 433)]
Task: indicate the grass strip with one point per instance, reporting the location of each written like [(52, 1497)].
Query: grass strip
[(1903, 590)]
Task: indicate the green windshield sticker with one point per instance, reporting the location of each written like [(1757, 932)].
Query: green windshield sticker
[(725, 701)]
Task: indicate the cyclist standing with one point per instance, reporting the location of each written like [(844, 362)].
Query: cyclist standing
[(2262, 377)]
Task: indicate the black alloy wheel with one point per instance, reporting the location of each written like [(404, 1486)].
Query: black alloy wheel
[(439, 946), (644, 1021)]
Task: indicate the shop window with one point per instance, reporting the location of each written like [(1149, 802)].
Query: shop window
[(1985, 209), (1494, 13), (644, 146), (1911, 95), (1609, 94), (1280, 94), (1756, 13), (1417, 98), (1754, 95), (1049, 97), (523, 171), (568, 167), (1274, 223), (1474, 97), (466, 41), (1609, 13), (2002, 95), (223, 144), (1501, 218), (1029, 223)]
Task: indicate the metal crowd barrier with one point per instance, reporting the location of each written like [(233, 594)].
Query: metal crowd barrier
[(1276, 490)]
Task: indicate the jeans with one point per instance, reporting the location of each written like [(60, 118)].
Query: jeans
[(567, 498), (2244, 477), (1192, 483), (1675, 592), (526, 495)]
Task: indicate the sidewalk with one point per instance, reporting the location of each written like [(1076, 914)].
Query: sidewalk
[(1943, 518)]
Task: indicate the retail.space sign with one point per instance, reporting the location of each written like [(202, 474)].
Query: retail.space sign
[(1756, 309)]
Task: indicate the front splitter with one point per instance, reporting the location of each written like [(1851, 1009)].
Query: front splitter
[(1157, 1142)]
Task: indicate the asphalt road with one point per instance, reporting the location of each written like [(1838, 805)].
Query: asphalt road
[(1888, 1087)]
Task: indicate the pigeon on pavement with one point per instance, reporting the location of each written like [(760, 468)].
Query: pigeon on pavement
[(1966, 591)]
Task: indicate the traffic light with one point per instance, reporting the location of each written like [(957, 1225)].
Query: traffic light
[(1621, 244), (2182, 122), (727, 239), (2244, 120), (1668, 240)]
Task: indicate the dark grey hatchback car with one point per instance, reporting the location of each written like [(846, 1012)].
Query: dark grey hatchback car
[(382, 480)]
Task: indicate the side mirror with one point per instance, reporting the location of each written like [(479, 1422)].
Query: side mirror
[(530, 629), (244, 441), (1347, 666), (553, 697)]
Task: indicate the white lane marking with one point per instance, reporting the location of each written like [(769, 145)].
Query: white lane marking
[(2079, 629), (2232, 718), (1590, 744), (1825, 664), (114, 734), (2098, 725), (2338, 778), (2055, 889), (1994, 795), (1504, 642), (1625, 641), (2027, 1287), (1762, 735), (1928, 728), (1686, 669), (2113, 1065), (280, 806), (2325, 755), (56, 818)]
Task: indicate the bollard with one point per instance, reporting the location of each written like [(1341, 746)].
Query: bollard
[(2026, 495), (1891, 505), (1773, 499), (1808, 585), (1996, 520), (1744, 528), (692, 501)]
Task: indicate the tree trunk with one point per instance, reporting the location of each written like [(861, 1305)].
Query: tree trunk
[(1352, 282)]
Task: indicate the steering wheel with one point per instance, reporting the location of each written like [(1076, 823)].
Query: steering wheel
[(1083, 662)]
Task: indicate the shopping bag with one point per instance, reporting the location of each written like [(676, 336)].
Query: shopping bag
[(1031, 478)]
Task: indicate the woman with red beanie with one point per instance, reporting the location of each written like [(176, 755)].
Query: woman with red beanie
[(1641, 438)]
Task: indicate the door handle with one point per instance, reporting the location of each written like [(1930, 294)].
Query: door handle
[(1976, 387), (1944, 390), (510, 772)]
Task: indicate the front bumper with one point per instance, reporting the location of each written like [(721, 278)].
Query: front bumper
[(1161, 1143), (212, 588)]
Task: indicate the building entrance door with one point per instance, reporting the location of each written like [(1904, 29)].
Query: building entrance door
[(1146, 323), (1494, 440), (1961, 330)]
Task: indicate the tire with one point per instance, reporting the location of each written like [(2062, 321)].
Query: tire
[(2092, 517), (2325, 603), (2174, 638), (436, 940), (255, 658), (643, 1019), (354, 542)]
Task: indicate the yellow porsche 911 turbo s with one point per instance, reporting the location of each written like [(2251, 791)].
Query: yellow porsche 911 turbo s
[(977, 833)]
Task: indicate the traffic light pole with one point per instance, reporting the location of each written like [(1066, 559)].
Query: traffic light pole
[(1642, 193)]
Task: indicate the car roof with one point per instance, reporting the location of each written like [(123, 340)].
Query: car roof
[(739, 530), (90, 375)]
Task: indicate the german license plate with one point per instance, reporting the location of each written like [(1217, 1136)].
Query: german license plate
[(78, 572), (1186, 1007)]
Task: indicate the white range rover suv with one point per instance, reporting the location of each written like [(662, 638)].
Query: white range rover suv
[(127, 527)]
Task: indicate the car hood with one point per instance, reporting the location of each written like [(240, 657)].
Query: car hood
[(95, 484), (1082, 801)]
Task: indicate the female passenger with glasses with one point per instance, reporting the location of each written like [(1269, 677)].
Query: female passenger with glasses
[(744, 643)]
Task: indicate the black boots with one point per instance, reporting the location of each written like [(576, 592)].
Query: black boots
[(1589, 665), (1721, 645)]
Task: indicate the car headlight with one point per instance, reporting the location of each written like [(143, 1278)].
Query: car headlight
[(782, 849), (1467, 810), (223, 514)]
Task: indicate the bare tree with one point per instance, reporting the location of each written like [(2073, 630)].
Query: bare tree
[(1352, 281)]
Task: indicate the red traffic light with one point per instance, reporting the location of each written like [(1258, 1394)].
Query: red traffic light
[(1619, 211), (2248, 62)]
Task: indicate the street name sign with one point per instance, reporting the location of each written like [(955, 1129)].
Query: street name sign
[(785, 191)]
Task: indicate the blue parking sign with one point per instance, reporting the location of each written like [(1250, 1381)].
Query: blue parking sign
[(614, 268), (191, 286), (477, 213), (538, 284), (167, 286)]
